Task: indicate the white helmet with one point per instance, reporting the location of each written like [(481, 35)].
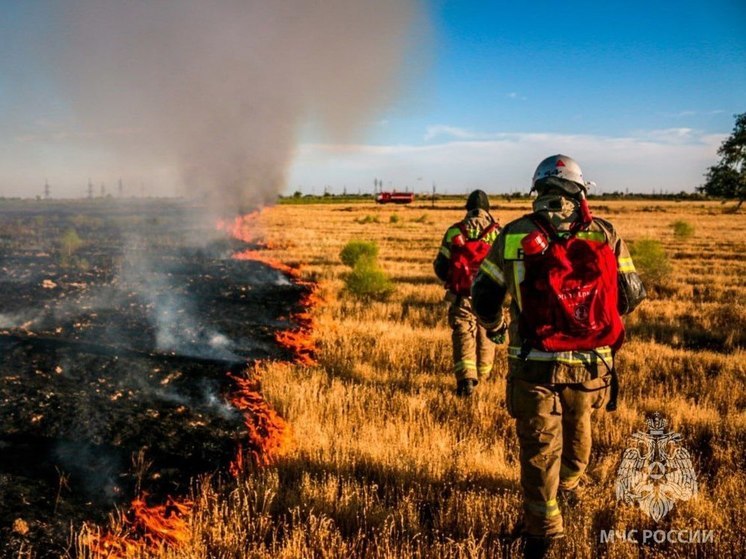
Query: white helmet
[(561, 167)]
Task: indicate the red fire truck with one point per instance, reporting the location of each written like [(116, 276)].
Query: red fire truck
[(394, 197)]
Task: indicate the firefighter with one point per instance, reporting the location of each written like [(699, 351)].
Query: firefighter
[(464, 246), (552, 394)]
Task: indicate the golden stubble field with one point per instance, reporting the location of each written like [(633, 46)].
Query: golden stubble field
[(385, 461)]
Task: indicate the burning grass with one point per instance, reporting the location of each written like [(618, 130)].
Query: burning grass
[(143, 528)]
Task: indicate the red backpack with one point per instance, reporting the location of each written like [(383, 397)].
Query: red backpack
[(466, 257), (569, 292)]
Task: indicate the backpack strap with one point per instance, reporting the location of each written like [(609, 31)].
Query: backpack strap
[(487, 230)]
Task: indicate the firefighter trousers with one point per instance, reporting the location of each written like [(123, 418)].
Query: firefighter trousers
[(473, 352), (553, 423)]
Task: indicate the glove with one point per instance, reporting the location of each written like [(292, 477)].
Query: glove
[(497, 333)]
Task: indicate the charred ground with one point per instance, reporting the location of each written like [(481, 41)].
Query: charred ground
[(118, 324)]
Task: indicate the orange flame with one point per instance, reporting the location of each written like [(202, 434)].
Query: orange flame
[(143, 527), (300, 339), (268, 433), (257, 256), (243, 227)]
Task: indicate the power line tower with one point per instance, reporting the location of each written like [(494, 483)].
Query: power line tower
[(46, 189), (90, 189), (120, 187)]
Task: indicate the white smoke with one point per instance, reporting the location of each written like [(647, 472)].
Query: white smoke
[(219, 91)]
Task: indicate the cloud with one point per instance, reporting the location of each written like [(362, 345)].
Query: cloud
[(689, 113), (436, 130), (671, 160)]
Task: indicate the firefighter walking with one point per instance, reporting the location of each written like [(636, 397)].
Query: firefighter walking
[(464, 246), (570, 277)]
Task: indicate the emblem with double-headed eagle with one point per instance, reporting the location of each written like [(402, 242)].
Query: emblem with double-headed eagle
[(657, 472)]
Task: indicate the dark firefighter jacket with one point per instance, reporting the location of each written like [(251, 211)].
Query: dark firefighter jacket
[(475, 222), (502, 272)]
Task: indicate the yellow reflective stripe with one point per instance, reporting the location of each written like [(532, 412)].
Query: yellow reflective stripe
[(597, 236), (451, 233), (465, 365), (486, 368), (491, 270), (513, 249), (566, 357), (519, 273), (625, 265), (567, 474), (445, 251), (546, 509), (490, 237)]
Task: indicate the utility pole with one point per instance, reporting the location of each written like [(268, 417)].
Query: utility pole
[(121, 188), (90, 190), (433, 198), (46, 189)]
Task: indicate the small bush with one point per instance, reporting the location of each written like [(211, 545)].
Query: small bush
[(651, 260), (367, 219), (682, 229), (368, 281), (70, 242), (393, 218), (355, 251)]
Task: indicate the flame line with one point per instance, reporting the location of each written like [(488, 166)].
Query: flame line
[(167, 524)]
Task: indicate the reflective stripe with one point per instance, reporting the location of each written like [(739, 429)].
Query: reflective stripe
[(513, 249), (486, 368), (451, 233), (519, 273), (625, 265), (546, 509), (567, 474), (465, 365), (445, 251), (566, 357), (597, 236), (491, 270), (490, 237)]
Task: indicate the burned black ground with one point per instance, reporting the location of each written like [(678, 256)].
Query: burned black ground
[(113, 358)]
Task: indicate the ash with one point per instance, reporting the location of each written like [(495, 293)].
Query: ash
[(113, 358)]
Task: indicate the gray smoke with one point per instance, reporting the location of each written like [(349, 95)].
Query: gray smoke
[(220, 91)]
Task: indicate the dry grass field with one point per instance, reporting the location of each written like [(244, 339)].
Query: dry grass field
[(384, 461)]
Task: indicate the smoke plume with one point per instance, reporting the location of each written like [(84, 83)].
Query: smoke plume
[(220, 91)]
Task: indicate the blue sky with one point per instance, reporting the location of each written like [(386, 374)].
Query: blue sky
[(641, 93)]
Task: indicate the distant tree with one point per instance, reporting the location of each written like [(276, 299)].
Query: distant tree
[(727, 179)]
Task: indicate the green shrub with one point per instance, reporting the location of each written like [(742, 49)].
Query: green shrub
[(368, 281), (355, 251), (682, 229), (368, 219), (651, 260), (70, 242), (393, 218)]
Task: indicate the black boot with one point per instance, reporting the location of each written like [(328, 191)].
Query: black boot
[(537, 547), (465, 387)]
